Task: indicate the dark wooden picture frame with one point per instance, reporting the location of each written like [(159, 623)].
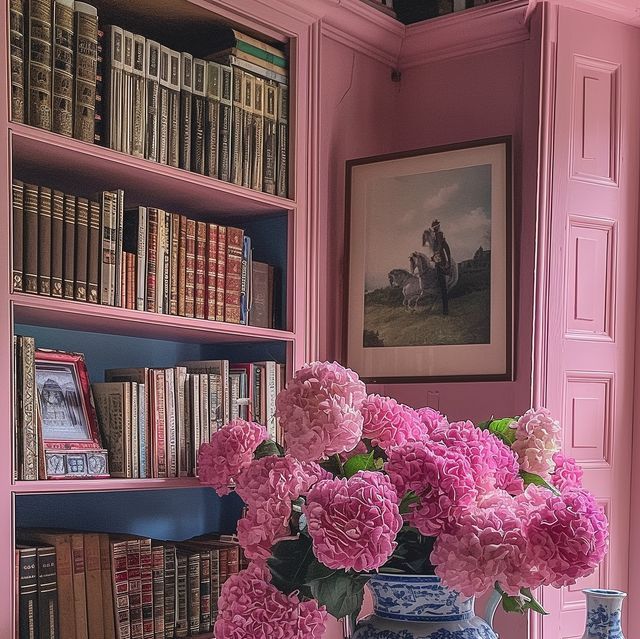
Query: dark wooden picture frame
[(396, 205)]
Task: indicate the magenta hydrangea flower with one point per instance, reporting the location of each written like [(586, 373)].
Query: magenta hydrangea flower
[(262, 526), (488, 544), (274, 477), (567, 474), (229, 452), (493, 463), (568, 537), (251, 607), (319, 411), (388, 423), (353, 522), (441, 477), (537, 441), (431, 419)]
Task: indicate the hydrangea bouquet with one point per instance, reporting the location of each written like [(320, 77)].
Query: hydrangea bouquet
[(365, 484)]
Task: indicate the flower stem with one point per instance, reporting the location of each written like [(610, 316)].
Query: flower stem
[(339, 463)]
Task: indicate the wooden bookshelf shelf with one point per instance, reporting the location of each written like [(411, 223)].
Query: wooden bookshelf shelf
[(67, 314), (84, 169), (101, 485)]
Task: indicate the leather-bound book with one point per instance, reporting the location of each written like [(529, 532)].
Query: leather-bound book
[(158, 574), (211, 270), (126, 126), (226, 116), (170, 568), (186, 95), (237, 125), (158, 423), (182, 266), (86, 58), (282, 164), (57, 243), (69, 248), (93, 577), (270, 112), (198, 115), (107, 588), (63, 67), (193, 592), (120, 580), (39, 82), (248, 90), (79, 585), (163, 106), (28, 618), (174, 125), (94, 253), (99, 115), (221, 277), (189, 306), (48, 593), (17, 53), (135, 588), (30, 238), (108, 215), (174, 252), (261, 311), (200, 276), (139, 97), (235, 238), (146, 585), (152, 256), (44, 240), (182, 594), (257, 144), (114, 56), (212, 119), (152, 59), (82, 247), (17, 207)]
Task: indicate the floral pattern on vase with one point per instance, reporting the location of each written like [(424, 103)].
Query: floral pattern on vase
[(604, 611), (419, 607)]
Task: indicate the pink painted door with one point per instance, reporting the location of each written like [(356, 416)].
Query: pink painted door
[(587, 277)]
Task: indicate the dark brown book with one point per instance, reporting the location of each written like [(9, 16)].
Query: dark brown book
[(69, 248), (261, 311), (235, 239), (221, 273), (40, 59), (82, 249), (44, 240), (182, 596), (120, 580), (30, 251), (17, 206), (173, 113), (131, 281), (98, 133), (146, 585), (48, 593), (182, 266), (152, 257), (28, 617), (212, 120), (270, 110), (135, 587), (164, 105), (107, 588), (17, 40), (93, 253), (190, 262), (57, 243), (211, 270), (86, 57), (174, 251), (93, 577), (193, 592), (282, 164), (152, 55), (198, 107), (138, 97), (205, 592), (63, 67), (248, 90), (158, 574), (200, 276), (186, 95), (170, 576), (224, 144)]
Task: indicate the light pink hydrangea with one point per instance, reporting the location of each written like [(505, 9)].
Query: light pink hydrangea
[(319, 411), (262, 526), (250, 607), (441, 477), (493, 463), (229, 452), (353, 522), (388, 424), (567, 474), (488, 544), (431, 419), (537, 441), (273, 477), (568, 537)]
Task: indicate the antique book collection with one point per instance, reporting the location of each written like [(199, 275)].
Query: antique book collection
[(87, 585), (226, 117)]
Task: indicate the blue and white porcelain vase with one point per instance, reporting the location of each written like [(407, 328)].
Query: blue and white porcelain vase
[(419, 607), (604, 611)]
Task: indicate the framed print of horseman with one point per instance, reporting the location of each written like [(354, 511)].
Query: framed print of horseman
[(430, 243)]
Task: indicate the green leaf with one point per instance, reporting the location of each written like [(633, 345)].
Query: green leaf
[(289, 563), (409, 499), (484, 425), (512, 604), (267, 448), (533, 604), (357, 463), (501, 428), (342, 593), (532, 478), (521, 603)]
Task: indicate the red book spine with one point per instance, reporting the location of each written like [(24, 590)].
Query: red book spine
[(211, 271), (135, 588), (182, 266), (152, 257), (131, 281), (175, 266), (235, 239), (120, 576), (221, 273), (123, 280), (190, 269), (201, 258), (146, 576), (160, 428), (157, 566)]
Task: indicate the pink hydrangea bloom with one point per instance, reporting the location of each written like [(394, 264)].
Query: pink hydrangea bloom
[(431, 418), (568, 537), (567, 474), (229, 452), (273, 477), (262, 526), (319, 411), (537, 441), (442, 478), (353, 522), (250, 607), (493, 463), (488, 544), (388, 424)]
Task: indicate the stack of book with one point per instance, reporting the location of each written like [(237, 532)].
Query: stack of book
[(93, 250), (76, 585), (153, 420), (225, 116)]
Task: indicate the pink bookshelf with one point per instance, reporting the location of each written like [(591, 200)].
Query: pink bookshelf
[(100, 485)]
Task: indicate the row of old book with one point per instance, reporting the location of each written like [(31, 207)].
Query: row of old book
[(144, 258), (225, 117), (75, 585), (150, 421)]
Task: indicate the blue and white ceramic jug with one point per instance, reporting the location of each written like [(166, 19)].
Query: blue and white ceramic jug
[(419, 607), (604, 610)]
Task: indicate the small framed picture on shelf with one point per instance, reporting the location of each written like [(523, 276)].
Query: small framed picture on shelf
[(429, 294), (67, 417)]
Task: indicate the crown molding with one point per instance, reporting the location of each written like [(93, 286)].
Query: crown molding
[(626, 11)]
